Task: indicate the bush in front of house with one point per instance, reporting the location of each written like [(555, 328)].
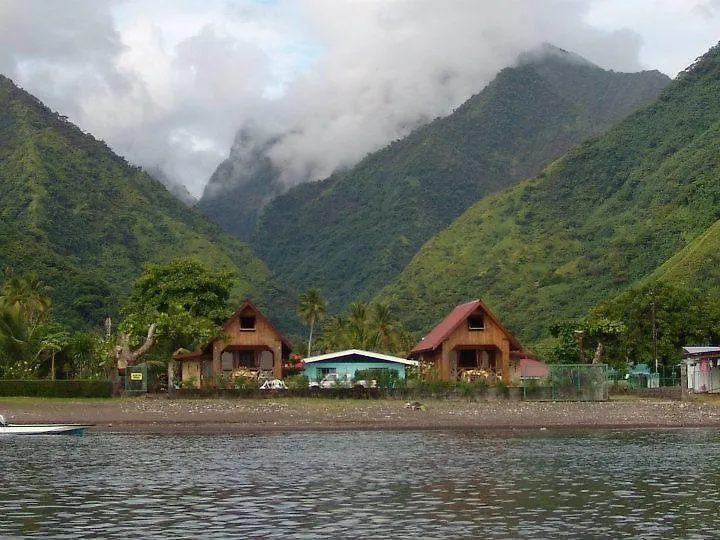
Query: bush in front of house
[(57, 388), (385, 378), (295, 382)]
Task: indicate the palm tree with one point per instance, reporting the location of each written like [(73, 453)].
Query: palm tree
[(385, 327), (312, 307), (23, 310), (359, 329), (27, 293)]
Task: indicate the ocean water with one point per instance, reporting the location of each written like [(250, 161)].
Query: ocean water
[(539, 484)]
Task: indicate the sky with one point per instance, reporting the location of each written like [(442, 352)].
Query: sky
[(169, 83)]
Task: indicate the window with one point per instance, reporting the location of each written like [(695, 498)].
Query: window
[(476, 322), (325, 370), (246, 358), (227, 361), (247, 322), (239, 358)]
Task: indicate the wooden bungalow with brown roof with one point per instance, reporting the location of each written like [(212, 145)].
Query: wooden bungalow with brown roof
[(469, 338), (247, 342)]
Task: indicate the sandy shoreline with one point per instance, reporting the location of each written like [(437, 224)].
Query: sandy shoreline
[(222, 416)]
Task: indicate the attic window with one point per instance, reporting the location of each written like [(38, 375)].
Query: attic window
[(247, 322), (476, 322)]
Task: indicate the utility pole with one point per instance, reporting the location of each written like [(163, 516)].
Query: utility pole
[(654, 334)]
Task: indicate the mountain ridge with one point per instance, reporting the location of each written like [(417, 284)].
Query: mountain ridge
[(352, 233), (86, 221), (633, 204)]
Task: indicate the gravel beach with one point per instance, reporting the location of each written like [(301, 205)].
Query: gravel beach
[(217, 416)]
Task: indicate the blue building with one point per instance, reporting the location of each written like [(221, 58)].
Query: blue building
[(346, 363)]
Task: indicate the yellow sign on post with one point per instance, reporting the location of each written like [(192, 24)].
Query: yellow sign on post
[(136, 376)]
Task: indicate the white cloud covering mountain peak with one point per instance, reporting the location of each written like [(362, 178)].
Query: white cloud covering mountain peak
[(168, 84)]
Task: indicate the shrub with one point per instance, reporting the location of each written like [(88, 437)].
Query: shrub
[(244, 383), (61, 388), (465, 388), (222, 380), (386, 378), (297, 381)]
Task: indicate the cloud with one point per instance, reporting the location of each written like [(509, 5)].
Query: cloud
[(169, 84), (383, 67)]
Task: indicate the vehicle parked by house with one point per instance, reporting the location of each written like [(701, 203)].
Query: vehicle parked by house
[(338, 380), (274, 384)]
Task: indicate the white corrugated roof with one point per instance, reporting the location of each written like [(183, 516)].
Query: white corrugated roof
[(694, 351), (370, 354)]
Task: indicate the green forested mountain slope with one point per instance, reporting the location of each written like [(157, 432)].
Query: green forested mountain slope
[(86, 221), (353, 232), (592, 223), (696, 265)]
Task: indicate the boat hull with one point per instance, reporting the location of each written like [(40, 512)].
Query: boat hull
[(44, 429)]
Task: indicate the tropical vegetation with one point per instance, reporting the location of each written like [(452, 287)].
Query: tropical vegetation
[(312, 308), (372, 327), (33, 345), (634, 207), (185, 301), (355, 231), (85, 221)]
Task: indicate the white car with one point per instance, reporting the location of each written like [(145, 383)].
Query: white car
[(274, 384), (333, 380)]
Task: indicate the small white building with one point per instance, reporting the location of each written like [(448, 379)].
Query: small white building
[(703, 368)]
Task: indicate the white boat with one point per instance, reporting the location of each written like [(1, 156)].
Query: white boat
[(41, 429)]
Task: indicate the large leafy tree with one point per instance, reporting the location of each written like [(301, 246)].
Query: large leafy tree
[(312, 308), (660, 319), (185, 302), (648, 324), (585, 341)]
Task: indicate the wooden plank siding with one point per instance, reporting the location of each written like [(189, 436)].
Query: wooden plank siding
[(263, 336), (464, 338), (258, 337), (444, 344)]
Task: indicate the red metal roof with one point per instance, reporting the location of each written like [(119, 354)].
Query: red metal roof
[(457, 317), (438, 334)]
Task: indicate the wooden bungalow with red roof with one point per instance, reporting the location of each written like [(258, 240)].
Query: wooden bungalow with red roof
[(469, 338), (247, 342)]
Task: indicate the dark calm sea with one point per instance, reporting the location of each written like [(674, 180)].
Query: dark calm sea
[(540, 484)]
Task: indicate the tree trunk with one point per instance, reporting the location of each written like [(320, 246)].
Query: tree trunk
[(126, 357), (312, 324), (598, 352)]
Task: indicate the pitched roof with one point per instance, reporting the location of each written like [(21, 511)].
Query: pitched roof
[(699, 351), (187, 355), (456, 317), (225, 326), (360, 352), (238, 311), (530, 367)]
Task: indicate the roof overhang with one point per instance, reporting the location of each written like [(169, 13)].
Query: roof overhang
[(702, 351), (453, 320), (190, 355), (359, 352)]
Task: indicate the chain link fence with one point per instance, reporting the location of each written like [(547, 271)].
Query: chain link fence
[(569, 382)]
